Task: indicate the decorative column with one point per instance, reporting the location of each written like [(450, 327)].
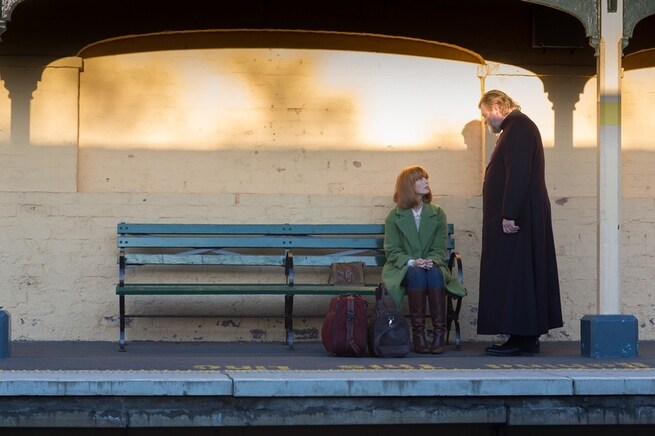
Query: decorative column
[(609, 333), (6, 7), (608, 24)]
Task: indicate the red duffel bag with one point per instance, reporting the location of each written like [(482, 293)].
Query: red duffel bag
[(344, 331)]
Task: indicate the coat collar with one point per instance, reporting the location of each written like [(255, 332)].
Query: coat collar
[(407, 225)]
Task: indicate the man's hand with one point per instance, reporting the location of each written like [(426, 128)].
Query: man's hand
[(509, 226)]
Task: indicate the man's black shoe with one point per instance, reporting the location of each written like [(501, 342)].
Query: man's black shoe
[(530, 346), (504, 350), (512, 347), (516, 346)]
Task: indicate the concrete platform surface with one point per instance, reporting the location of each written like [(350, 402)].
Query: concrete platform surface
[(92, 384), (176, 356), (242, 369)]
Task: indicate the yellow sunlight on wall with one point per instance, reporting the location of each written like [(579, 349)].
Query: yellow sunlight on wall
[(242, 98), (5, 115), (638, 109), (564, 107), (53, 109)]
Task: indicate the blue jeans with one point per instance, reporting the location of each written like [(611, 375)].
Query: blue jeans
[(419, 278)]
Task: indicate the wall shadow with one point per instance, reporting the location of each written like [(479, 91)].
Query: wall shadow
[(21, 82)]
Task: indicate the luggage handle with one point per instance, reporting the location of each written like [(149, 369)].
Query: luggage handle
[(380, 293)]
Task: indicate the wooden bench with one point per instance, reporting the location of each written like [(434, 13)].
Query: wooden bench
[(288, 247)]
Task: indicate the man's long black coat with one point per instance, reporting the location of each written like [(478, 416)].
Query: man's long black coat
[(519, 282)]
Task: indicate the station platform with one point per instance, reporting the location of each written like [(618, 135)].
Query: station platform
[(199, 384)]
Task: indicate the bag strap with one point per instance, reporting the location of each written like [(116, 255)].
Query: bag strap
[(380, 293), (350, 330)]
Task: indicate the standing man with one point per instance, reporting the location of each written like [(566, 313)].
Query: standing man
[(519, 283)]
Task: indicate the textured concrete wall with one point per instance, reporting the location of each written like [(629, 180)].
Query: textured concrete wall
[(282, 136)]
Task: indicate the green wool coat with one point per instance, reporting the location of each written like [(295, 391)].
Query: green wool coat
[(402, 242)]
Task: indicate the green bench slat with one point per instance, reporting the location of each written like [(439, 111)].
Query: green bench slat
[(251, 229), (370, 261), (245, 260), (202, 259), (240, 289), (287, 242)]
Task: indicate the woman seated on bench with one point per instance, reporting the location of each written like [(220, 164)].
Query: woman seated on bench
[(415, 247)]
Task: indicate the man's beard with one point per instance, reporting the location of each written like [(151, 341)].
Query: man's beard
[(493, 129)]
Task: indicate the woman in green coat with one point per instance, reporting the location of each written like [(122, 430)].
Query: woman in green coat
[(415, 235)]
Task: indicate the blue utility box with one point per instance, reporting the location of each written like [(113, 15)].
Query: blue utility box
[(5, 334), (608, 336)]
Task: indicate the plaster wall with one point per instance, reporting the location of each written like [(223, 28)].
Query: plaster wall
[(283, 136)]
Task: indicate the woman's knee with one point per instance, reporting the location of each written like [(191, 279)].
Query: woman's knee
[(435, 278), (415, 278)]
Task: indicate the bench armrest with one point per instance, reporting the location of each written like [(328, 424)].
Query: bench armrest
[(455, 260), (288, 268)]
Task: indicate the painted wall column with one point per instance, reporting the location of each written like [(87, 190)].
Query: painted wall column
[(609, 156)]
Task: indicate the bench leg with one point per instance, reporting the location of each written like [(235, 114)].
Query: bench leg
[(455, 260), (453, 318), (288, 320), (121, 337)]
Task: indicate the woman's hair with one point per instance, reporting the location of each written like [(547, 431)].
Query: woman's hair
[(404, 195), (504, 101)]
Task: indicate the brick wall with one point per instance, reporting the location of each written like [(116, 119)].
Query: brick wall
[(151, 146)]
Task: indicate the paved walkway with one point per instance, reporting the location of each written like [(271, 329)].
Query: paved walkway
[(476, 387), (175, 361), (170, 356)]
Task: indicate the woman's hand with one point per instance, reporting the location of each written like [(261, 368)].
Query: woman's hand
[(424, 263)]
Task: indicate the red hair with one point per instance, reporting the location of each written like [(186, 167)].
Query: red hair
[(404, 195)]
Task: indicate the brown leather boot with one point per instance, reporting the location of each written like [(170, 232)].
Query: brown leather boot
[(437, 302), (416, 299)]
